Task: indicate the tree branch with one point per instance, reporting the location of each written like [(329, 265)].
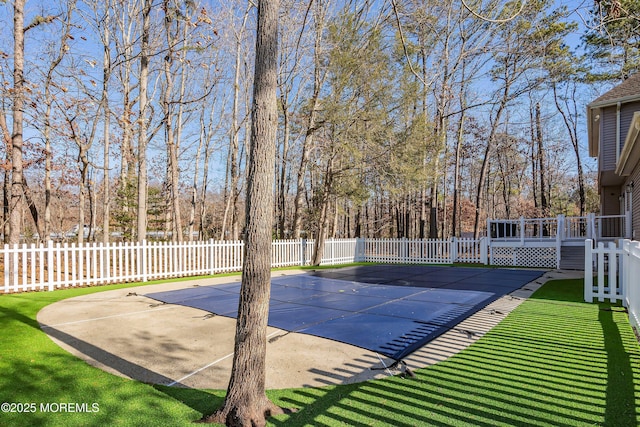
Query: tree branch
[(40, 20)]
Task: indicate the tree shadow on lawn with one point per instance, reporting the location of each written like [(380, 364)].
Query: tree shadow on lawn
[(50, 387), (554, 361), (622, 384), (619, 345)]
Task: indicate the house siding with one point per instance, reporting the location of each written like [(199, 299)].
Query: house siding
[(608, 139), (634, 179), (610, 198), (608, 158)]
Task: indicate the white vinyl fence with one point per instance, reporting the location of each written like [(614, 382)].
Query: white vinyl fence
[(608, 261), (61, 265), (617, 273), (425, 251)]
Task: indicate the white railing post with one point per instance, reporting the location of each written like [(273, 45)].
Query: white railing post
[(628, 227), (522, 230), (50, 265), (142, 261), (329, 243), (588, 270), (453, 250), (7, 268), (625, 267), (561, 232), (591, 226), (600, 266), (484, 250), (559, 239), (632, 292), (359, 250), (558, 251), (613, 272), (212, 257)]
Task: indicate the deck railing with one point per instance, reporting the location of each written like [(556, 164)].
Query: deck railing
[(595, 227)]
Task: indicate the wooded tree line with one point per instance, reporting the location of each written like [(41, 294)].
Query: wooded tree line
[(396, 119)]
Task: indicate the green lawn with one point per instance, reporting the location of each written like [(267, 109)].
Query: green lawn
[(554, 361)]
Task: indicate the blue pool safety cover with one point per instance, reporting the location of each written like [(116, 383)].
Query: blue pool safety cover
[(389, 309)]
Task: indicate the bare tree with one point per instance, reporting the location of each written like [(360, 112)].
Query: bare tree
[(19, 190), (319, 75), (15, 210), (49, 98), (106, 77), (232, 190), (246, 403), (142, 122)]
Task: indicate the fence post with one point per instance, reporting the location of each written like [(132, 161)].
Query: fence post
[(142, 260), (613, 272), (357, 256), (600, 256), (558, 247), (625, 270), (588, 270), (212, 257), (303, 252), (591, 219), (7, 268), (453, 250), (404, 249), (331, 250), (50, 265), (632, 299), (484, 250)]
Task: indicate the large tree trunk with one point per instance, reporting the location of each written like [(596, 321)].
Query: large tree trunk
[(142, 123), (15, 210), (246, 403)]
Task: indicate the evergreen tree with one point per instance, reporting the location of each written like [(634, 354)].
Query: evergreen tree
[(613, 39)]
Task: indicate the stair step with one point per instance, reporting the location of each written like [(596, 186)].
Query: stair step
[(572, 257)]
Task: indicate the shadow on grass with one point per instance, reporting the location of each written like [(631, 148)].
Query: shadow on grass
[(554, 361), (203, 401), (108, 359), (621, 408), (60, 389)]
